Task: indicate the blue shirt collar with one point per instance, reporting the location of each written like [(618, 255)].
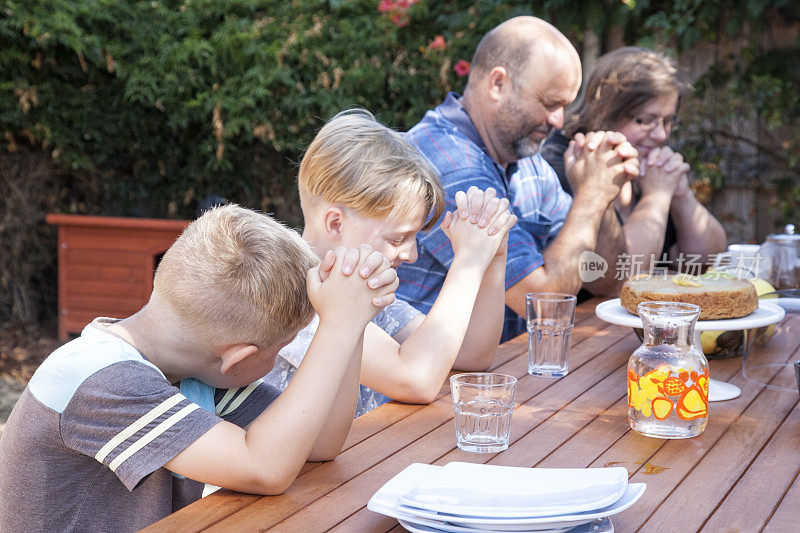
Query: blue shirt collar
[(453, 110), (198, 392)]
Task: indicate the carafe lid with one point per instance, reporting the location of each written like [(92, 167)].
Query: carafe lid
[(789, 237)]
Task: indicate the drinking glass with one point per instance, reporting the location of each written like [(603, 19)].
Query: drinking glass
[(770, 361), (483, 403), (550, 317)]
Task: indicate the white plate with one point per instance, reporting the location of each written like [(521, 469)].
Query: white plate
[(719, 391), (632, 494), (385, 501), (491, 491), (766, 314), (601, 525), (421, 525), (790, 304)]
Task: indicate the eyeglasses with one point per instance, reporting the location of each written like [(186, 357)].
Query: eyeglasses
[(649, 123)]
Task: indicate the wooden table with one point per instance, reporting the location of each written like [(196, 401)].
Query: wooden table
[(741, 474)]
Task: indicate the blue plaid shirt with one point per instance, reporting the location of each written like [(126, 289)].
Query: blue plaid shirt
[(449, 139)]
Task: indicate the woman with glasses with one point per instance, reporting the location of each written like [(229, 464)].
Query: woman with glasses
[(636, 91)]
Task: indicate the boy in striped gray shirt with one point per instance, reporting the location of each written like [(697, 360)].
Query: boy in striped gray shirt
[(104, 438)]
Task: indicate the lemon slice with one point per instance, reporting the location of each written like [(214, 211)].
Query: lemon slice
[(763, 287), (686, 280)]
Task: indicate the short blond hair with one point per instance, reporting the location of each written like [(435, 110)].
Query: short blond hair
[(236, 275), (358, 163)]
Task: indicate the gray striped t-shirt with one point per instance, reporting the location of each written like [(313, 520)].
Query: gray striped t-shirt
[(85, 446)]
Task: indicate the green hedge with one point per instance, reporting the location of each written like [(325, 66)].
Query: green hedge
[(146, 107), (168, 101)]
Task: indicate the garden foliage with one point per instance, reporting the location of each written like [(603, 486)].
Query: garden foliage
[(146, 107)]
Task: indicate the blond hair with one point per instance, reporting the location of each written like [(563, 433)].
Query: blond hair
[(235, 275), (358, 163)]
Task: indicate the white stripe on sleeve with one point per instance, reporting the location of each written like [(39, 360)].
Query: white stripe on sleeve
[(229, 394), (152, 434), (242, 397), (126, 433)]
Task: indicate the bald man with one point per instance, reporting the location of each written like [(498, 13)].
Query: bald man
[(523, 74)]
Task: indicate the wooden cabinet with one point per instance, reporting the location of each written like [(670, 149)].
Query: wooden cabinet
[(106, 265)]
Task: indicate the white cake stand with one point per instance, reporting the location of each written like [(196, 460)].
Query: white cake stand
[(767, 313)]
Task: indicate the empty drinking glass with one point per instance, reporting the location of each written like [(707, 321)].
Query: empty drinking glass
[(483, 403), (551, 317)]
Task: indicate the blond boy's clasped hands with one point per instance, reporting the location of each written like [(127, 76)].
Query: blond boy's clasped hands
[(336, 292), (359, 282), (479, 226)]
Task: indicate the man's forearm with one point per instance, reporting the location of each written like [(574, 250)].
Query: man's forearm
[(578, 234)]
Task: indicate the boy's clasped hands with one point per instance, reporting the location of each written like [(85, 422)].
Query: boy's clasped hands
[(478, 227), (335, 291)]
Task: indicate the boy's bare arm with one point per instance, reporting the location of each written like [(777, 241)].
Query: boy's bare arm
[(333, 435), (415, 370), (267, 457), (486, 322), (331, 439)]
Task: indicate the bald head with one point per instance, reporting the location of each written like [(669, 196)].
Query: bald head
[(521, 43), (524, 73)]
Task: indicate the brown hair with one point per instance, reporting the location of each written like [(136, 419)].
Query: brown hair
[(620, 86), (358, 163), (236, 275)]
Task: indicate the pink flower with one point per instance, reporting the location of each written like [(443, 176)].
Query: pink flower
[(437, 43), (386, 5), (461, 68), (403, 5), (400, 20)]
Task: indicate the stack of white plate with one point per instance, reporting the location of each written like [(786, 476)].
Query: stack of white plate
[(472, 498)]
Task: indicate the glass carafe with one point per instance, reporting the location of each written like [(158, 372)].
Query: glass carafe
[(780, 259), (668, 375)]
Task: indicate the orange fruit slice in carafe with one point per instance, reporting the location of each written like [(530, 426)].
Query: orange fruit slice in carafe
[(692, 405), (662, 407)]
